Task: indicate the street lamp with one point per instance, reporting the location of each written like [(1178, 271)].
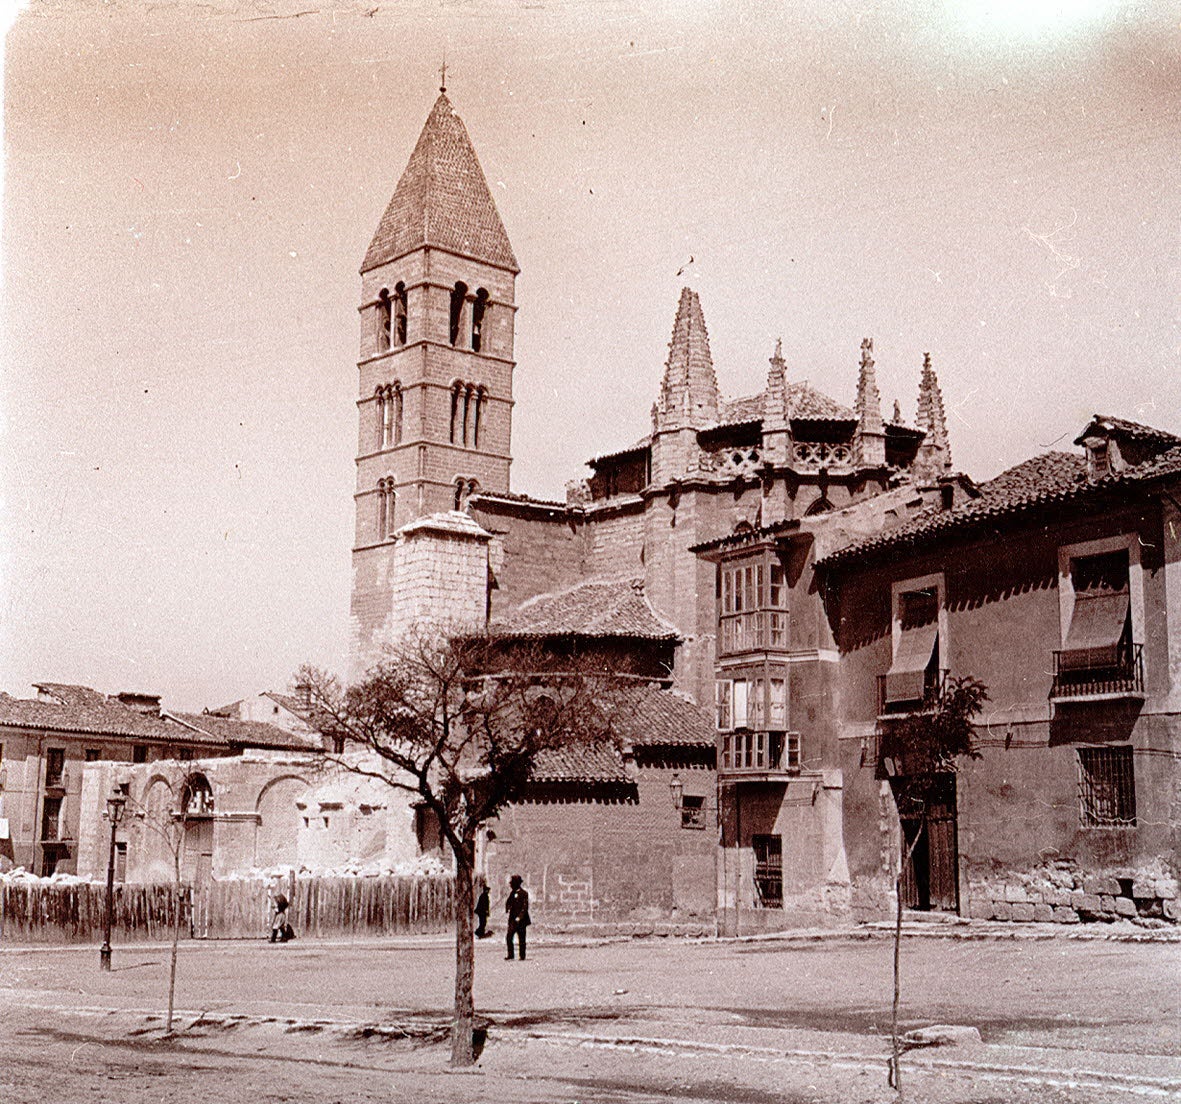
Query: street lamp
[(115, 805)]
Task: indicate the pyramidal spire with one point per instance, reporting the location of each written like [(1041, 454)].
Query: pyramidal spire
[(936, 446), (689, 389), (442, 200)]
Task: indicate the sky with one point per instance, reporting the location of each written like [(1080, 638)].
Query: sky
[(189, 190)]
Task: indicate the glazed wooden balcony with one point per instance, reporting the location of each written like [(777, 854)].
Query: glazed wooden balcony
[(753, 756)]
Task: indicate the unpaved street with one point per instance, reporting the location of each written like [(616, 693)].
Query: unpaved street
[(1060, 1019)]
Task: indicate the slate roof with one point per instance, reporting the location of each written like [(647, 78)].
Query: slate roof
[(595, 608), (1049, 479), (442, 200)]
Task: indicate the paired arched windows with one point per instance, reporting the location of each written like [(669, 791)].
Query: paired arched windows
[(388, 398), (400, 313), (467, 412), (386, 501), (464, 489)]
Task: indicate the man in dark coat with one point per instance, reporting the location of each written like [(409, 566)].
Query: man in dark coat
[(483, 905), (517, 907)]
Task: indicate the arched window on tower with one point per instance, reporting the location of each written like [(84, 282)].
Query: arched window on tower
[(467, 411), (383, 321), (458, 297), (456, 389), (479, 307), (380, 405), (400, 303), (397, 412), (382, 517), (387, 416), (481, 397)]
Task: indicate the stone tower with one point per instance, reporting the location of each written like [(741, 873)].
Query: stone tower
[(436, 359)]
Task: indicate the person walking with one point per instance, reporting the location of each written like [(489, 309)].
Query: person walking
[(517, 907), (483, 905), (281, 930)]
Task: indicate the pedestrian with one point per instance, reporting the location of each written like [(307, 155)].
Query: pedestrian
[(517, 907), (281, 930), (483, 905)]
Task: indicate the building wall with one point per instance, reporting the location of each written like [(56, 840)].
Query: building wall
[(592, 862), (1018, 807)]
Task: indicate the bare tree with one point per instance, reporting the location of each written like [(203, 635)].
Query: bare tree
[(168, 826), (925, 747), (461, 722)]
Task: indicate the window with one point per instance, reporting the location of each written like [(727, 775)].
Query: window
[(753, 607), (55, 766), (386, 502), (397, 412), (92, 755), (1107, 789), (120, 861), (400, 303), (383, 321), (196, 798), (1100, 633), (764, 752), (692, 812), (768, 852), (724, 700), (139, 753), (479, 308), (456, 391), (480, 396), (458, 298), (914, 673), (51, 819)]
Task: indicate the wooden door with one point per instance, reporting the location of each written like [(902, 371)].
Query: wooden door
[(930, 880)]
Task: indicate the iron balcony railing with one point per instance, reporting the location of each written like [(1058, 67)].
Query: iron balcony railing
[(933, 684), (1124, 677)]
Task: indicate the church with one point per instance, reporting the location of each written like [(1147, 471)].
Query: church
[(440, 535)]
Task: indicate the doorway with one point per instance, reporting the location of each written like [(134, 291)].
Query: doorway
[(930, 879)]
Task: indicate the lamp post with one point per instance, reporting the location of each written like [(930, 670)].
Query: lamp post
[(115, 805)]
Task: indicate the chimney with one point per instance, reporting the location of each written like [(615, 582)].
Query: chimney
[(148, 704)]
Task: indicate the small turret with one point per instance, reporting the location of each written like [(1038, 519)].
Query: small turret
[(934, 455), (871, 431)]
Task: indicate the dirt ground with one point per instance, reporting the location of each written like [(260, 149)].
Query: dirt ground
[(782, 1020)]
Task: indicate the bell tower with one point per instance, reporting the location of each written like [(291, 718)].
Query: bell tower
[(436, 357)]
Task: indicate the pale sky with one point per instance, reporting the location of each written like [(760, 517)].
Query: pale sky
[(189, 190)]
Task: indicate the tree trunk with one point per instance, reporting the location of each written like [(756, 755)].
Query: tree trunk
[(462, 1050), (895, 1077), (179, 912)]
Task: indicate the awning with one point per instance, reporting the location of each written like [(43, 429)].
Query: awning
[(906, 679), (1096, 628)]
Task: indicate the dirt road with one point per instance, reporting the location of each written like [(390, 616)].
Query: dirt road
[(1059, 1020)]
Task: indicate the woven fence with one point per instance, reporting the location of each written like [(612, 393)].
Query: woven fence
[(320, 907)]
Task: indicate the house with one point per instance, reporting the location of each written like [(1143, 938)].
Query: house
[(46, 741), (1058, 585)]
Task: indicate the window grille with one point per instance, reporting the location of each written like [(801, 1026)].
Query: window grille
[(768, 852), (692, 812), (1107, 788), (55, 766)]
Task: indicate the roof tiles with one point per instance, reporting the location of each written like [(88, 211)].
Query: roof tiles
[(595, 608)]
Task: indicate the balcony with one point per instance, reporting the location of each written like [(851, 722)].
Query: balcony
[(1105, 681), (821, 454), (896, 708), (763, 630), (745, 756)]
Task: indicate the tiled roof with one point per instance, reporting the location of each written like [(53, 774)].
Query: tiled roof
[(81, 709), (1123, 428), (579, 764), (1053, 477), (804, 403), (644, 716), (651, 717), (639, 446), (256, 734), (442, 200), (595, 608)]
